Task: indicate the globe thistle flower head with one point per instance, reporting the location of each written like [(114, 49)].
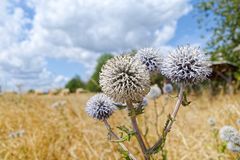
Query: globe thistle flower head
[(155, 92), (150, 57), (100, 107), (167, 88), (186, 65), (227, 132), (233, 147), (124, 78)]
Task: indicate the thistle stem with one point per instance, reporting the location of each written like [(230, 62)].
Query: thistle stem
[(171, 120), (176, 109), (107, 125), (137, 131)]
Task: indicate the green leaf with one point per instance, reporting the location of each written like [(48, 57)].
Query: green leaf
[(126, 134), (185, 102)]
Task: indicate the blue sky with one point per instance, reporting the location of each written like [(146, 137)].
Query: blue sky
[(47, 42)]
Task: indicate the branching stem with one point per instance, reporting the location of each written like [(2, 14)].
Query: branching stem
[(170, 120)]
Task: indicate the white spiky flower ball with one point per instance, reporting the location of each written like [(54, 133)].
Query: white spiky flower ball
[(233, 147), (150, 57), (124, 78), (227, 132), (186, 65), (167, 88), (155, 92), (100, 107)]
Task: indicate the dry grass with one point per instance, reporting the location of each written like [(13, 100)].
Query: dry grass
[(67, 133)]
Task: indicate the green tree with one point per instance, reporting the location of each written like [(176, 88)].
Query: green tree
[(221, 18), (75, 83), (93, 83)]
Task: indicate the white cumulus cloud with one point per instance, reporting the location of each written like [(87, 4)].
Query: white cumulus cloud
[(78, 30)]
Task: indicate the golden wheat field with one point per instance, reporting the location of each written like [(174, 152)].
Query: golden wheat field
[(67, 133)]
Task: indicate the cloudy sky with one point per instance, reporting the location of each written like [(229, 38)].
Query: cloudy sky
[(43, 43)]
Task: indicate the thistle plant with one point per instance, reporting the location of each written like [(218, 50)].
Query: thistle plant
[(150, 57), (101, 107), (232, 137), (186, 65), (125, 81), (227, 132)]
